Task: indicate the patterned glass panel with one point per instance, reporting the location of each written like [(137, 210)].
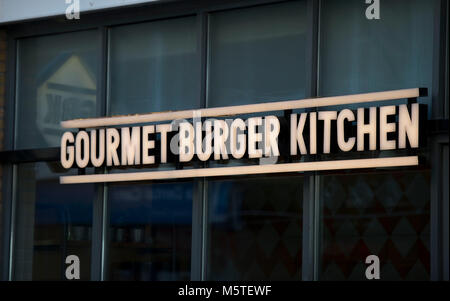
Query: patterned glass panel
[(383, 214), (255, 228)]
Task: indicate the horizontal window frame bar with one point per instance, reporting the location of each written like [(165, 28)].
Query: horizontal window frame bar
[(245, 109), (132, 14), (30, 155), (243, 170)]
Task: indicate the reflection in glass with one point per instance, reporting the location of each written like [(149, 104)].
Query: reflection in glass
[(56, 81), (53, 221), (257, 54), (255, 228), (150, 231), (359, 55), (383, 214), (153, 67)]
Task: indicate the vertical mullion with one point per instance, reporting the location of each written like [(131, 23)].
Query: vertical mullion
[(98, 232), (439, 253), (202, 32), (105, 232), (204, 230), (204, 91), (436, 255), (105, 31), (8, 176), (11, 211), (310, 224), (445, 212), (96, 251), (311, 57), (10, 103), (317, 226), (102, 70), (308, 227), (196, 243), (445, 163), (439, 56), (198, 224)]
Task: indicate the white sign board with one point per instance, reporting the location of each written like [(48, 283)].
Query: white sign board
[(116, 142)]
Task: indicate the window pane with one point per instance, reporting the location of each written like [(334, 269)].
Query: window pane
[(257, 54), (255, 229), (153, 67), (57, 80), (53, 221), (358, 55), (387, 215), (150, 231)]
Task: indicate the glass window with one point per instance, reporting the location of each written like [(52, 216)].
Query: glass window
[(53, 221), (257, 54), (358, 55), (385, 214), (150, 231), (153, 67), (255, 228), (57, 80), (382, 214)]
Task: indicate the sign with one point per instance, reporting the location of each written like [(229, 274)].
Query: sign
[(296, 139)]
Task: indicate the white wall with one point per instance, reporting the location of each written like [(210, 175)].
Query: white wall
[(16, 10)]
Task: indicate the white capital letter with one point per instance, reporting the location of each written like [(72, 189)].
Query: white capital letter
[(327, 116), (386, 128), (148, 144), (131, 151), (186, 142), (408, 126), (254, 137), (344, 145), (271, 132), (220, 137), (370, 128), (97, 161), (67, 152), (82, 161), (112, 143), (236, 138), (199, 140), (164, 129), (313, 133), (297, 134)]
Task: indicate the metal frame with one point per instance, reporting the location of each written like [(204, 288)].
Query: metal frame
[(103, 20), (8, 168), (439, 222), (439, 149), (198, 207), (438, 152), (310, 218), (309, 227)]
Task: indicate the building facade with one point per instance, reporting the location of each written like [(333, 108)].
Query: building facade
[(179, 55)]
